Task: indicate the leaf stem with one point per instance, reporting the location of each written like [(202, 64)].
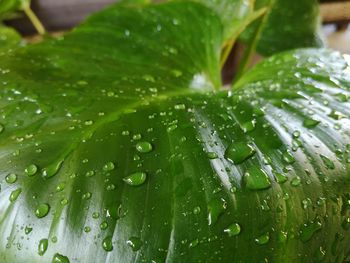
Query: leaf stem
[(35, 20), (230, 43)]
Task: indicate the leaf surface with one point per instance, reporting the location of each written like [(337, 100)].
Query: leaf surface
[(115, 146), (289, 25)]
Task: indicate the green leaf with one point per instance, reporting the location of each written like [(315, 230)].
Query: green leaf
[(8, 7), (9, 38), (117, 140), (290, 24), (232, 13)]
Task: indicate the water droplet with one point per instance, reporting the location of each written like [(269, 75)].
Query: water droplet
[(148, 78), (27, 230), (216, 208), (248, 126), (336, 115), (171, 128), (52, 170), (280, 178), (196, 210), (212, 155), (193, 243), (86, 196), (144, 147), (42, 210), (54, 239), (107, 244), (64, 201), (135, 179), (320, 254), (104, 225), (233, 230), (95, 215), (136, 137), (15, 194), (288, 157), (257, 179), (296, 134), (135, 243), (90, 173), (263, 239), (43, 244), (309, 229), (60, 187), (89, 122), (180, 107), (346, 224), (327, 162), (87, 229), (11, 178), (58, 258), (239, 152), (310, 123), (282, 237), (31, 170), (296, 181), (110, 187), (125, 133), (108, 167)]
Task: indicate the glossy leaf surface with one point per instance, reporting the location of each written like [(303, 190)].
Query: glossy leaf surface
[(289, 25), (116, 148)]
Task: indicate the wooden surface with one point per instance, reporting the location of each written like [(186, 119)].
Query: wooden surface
[(336, 11)]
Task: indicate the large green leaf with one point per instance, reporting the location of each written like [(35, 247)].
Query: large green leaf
[(9, 38), (113, 138), (289, 25), (232, 14)]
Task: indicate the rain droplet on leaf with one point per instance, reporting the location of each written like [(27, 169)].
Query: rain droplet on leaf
[(11, 178), (193, 243), (107, 244), (296, 181), (43, 244), (58, 258), (309, 229), (233, 230), (280, 178), (42, 210), (144, 147), (239, 152), (15, 194), (31, 170), (135, 179), (108, 167), (263, 239), (216, 208), (135, 243), (256, 179), (52, 170), (212, 155), (327, 162), (288, 157), (310, 123), (248, 126)]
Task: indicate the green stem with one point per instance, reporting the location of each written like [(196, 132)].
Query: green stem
[(251, 47), (35, 20), (230, 43)]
